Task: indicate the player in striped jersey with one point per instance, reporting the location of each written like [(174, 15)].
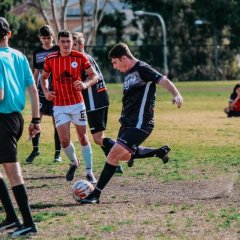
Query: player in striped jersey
[(136, 119), (66, 67)]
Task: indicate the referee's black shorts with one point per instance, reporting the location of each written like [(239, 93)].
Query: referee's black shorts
[(97, 120), (11, 126), (131, 137)]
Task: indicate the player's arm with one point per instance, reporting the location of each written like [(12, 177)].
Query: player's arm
[(36, 74), (34, 127), (91, 79), (177, 98), (49, 95)]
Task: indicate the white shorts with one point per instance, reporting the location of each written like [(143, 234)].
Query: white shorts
[(72, 113)]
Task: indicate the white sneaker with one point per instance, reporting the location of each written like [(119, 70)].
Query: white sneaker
[(91, 178)]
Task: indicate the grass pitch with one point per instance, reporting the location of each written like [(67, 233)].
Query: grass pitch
[(195, 196)]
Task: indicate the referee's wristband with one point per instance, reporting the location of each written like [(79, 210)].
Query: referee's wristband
[(36, 120)]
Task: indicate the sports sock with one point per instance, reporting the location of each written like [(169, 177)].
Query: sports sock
[(21, 197), (107, 145), (70, 152), (35, 142), (57, 141), (87, 158), (6, 202), (144, 152), (107, 173)]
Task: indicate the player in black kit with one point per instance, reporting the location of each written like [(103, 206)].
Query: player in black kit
[(136, 119), (46, 107), (96, 100)]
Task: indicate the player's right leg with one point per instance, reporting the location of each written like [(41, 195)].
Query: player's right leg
[(11, 130), (62, 122)]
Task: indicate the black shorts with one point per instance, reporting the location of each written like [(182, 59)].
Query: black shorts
[(11, 126), (45, 106), (97, 120), (130, 138)]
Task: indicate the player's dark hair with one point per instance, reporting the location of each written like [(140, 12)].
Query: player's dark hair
[(4, 27), (119, 50), (46, 31), (234, 94), (64, 33)]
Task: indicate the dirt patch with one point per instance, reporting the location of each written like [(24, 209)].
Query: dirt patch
[(137, 209)]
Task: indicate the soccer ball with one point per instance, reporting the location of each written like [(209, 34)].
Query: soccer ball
[(81, 189)]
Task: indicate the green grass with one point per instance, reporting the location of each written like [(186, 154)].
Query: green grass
[(205, 145)]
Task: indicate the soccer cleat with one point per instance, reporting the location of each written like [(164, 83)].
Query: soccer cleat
[(5, 225), (71, 172), (57, 157), (32, 155), (119, 169), (91, 178), (163, 153), (23, 230), (89, 200)]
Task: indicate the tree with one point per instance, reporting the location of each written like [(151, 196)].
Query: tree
[(54, 12), (195, 51)]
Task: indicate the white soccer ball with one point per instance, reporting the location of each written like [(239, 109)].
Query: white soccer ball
[(81, 189)]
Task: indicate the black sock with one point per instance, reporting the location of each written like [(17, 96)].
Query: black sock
[(35, 142), (107, 173), (57, 141), (107, 145), (6, 202), (144, 152), (21, 197)]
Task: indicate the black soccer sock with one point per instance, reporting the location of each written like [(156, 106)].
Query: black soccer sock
[(6, 202), (144, 152), (107, 173), (21, 197), (57, 141), (107, 145), (35, 142)]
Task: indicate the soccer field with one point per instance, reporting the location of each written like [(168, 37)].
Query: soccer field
[(194, 196)]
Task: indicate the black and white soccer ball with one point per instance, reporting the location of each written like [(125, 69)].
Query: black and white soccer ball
[(81, 189)]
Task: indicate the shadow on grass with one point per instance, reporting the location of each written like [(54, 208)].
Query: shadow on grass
[(66, 205), (44, 177), (49, 205)]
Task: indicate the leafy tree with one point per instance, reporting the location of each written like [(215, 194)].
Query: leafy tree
[(195, 51)]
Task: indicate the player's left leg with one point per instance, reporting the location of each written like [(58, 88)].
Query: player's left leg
[(80, 121), (86, 152), (57, 156)]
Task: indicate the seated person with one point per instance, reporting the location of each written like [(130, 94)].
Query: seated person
[(233, 109)]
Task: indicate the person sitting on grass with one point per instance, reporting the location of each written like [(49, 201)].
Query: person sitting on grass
[(233, 109)]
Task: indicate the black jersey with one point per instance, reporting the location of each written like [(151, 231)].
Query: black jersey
[(138, 100), (39, 57), (96, 96)]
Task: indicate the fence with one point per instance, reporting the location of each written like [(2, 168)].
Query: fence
[(185, 62)]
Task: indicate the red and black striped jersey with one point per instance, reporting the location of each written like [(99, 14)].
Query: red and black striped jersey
[(65, 71)]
